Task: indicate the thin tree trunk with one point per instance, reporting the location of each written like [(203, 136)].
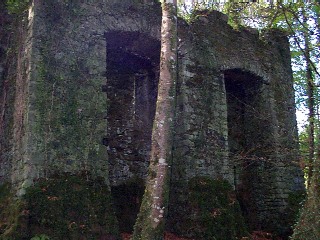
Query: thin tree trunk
[(308, 225), (315, 181), (311, 88), (311, 103), (151, 219)]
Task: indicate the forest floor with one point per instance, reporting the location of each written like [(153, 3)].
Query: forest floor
[(256, 235), (168, 236)]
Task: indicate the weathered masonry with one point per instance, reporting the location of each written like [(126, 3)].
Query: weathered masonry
[(82, 97)]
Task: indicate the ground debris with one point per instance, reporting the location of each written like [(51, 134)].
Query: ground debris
[(168, 236)]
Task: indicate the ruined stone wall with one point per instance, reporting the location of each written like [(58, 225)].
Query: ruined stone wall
[(65, 124), (85, 102), (238, 123)]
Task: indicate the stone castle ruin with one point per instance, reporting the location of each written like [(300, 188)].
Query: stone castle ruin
[(85, 92)]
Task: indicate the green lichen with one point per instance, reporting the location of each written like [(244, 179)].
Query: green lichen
[(143, 228), (141, 225), (69, 111)]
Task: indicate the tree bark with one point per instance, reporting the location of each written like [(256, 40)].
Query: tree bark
[(311, 103), (308, 225), (151, 218)]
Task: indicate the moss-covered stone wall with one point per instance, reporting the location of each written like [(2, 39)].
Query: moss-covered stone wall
[(84, 94), (264, 169), (59, 116), (64, 206)]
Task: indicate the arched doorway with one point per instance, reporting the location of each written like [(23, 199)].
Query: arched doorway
[(249, 146)]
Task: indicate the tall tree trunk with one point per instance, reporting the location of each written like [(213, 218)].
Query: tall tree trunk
[(151, 220), (311, 102), (308, 225)]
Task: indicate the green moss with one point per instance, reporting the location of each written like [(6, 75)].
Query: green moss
[(12, 215), (213, 211), (143, 228), (4, 201), (141, 223), (68, 114), (66, 207)]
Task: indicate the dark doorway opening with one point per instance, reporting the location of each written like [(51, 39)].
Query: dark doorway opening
[(132, 80), (244, 98), (127, 203), (247, 148), (131, 88)]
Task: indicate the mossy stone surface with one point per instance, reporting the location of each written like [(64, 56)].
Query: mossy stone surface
[(66, 206), (213, 211), (13, 224)]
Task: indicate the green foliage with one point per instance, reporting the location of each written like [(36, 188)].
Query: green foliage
[(308, 225), (40, 237), (17, 6), (214, 212)]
